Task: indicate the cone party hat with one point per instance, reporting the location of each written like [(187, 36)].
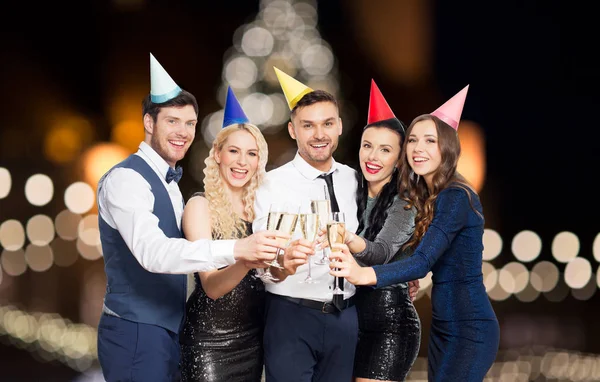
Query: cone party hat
[(379, 110), (234, 113), (451, 111), (162, 86), (293, 90)]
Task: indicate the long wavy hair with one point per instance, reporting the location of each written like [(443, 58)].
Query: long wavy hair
[(225, 223), (414, 190), (386, 196)]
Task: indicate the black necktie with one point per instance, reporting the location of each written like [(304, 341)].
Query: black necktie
[(329, 180), (174, 174), (338, 299)]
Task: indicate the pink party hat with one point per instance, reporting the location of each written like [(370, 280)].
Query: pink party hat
[(450, 111)]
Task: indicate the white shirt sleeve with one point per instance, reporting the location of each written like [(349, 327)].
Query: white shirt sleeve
[(125, 202)]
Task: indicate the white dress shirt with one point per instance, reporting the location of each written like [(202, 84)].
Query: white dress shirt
[(299, 182), (125, 202)]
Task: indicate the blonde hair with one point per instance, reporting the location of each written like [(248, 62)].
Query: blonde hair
[(225, 224)]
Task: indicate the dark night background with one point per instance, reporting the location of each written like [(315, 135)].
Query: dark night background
[(533, 89)]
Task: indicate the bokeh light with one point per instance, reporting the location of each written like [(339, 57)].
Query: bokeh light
[(66, 138), (492, 244), (12, 235), (586, 292), (65, 252), (40, 230), (88, 252), (513, 277), (39, 258), (101, 158), (596, 247), (565, 246), (490, 275), (88, 230), (66, 223), (578, 272), (5, 182), (257, 41), (544, 276), (79, 197), (526, 246), (13, 262), (128, 134), (39, 189), (472, 161)]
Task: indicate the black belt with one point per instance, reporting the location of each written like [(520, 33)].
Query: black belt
[(324, 307)]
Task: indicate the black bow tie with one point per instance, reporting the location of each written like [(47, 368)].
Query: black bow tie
[(174, 174)]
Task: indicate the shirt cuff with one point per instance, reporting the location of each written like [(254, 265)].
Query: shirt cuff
[(222, 252)]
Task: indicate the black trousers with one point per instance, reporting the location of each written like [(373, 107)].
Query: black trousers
[(303, 344)]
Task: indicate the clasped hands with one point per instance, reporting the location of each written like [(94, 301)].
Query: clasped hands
[(343, 264)]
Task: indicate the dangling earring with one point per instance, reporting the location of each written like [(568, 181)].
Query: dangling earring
[(411, 175), (363, 182)]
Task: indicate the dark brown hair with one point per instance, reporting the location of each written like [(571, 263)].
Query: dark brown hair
[(183, 99), (414, 190)]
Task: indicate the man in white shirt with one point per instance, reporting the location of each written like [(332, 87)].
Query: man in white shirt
[(146, 258), (308, 337)]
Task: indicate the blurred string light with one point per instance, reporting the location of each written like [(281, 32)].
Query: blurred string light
[(283, 34), (50, 336)]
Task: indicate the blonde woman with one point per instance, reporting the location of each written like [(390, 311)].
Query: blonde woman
[(221, 339)]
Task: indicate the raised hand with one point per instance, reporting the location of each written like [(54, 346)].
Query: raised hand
[(343, 264), (260, 246), (296, 254)]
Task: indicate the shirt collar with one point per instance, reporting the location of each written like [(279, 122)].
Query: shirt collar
[(159, 163), (308, 171)]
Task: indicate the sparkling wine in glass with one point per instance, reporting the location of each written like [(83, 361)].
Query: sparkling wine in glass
[(336, 234), (321, 207), (275, 212), (309, 225)]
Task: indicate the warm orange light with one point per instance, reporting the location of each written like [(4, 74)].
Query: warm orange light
[(128, 133), (66, 138), (98, 159), (472, 162)]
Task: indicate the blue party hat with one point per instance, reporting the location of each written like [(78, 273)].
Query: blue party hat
[(233, 110)]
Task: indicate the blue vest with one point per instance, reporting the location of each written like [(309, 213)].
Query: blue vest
[(132, 292)]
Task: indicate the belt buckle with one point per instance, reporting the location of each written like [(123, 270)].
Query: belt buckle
[(324, 308)]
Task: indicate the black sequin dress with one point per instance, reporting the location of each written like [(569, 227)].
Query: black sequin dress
[(221, 340), (389, 327)]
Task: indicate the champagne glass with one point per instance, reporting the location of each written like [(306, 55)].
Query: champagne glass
[(309, 225), (275, 212), (336, 234), (321, 207), (281, 218)]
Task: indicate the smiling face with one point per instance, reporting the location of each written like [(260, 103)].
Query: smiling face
[(316, 129), (379, 152), (423, 151), (238, 159), (172, 133)]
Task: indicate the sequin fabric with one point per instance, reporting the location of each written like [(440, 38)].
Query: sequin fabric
[(464, 335), (221, 340), (389, 334), (389, 326)]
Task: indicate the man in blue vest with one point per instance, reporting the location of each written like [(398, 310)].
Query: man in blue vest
[(146, 258)]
